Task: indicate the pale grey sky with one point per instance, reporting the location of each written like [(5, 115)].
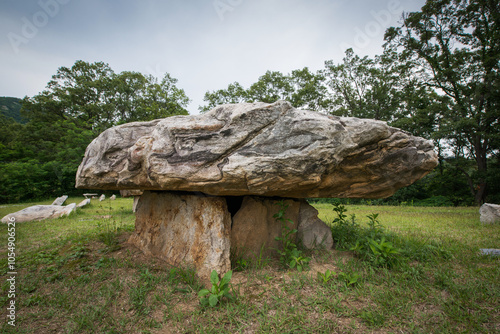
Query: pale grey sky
[(205, 44)]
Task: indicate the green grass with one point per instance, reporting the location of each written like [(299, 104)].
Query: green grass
[(79, 275)]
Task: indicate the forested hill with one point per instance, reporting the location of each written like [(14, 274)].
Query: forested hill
[(10, 107)]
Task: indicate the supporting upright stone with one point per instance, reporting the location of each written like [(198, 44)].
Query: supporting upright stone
[(254, 228), (136, 194), (312, 231), (184, 230)]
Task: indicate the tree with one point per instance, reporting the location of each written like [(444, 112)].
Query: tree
[(270, 87), (95, 98), (302, 88), (308, 90), (234, 93), (40, 158), (456, 43)]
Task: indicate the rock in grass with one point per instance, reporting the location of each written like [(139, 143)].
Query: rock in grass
[(39, 212), (490, 251), (489, 213), (83, 203), (258, 149), (60, 200)]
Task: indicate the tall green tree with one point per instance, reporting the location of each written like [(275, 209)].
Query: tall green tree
[(302, 88), (386, 88), (457, 45), (234, 93), (40, 158)]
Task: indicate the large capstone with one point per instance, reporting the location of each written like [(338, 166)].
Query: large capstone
[(258, 149)]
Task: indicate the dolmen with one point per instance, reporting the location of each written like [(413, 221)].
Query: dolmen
[(210, 182)]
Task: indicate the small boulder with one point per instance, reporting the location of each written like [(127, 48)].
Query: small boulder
[(113, 197), (490, 213), (60, 200), (83, 203), (490, 251), (312, 231), (39, 212), (102, 198)]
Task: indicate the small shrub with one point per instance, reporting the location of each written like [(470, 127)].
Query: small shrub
[(370, 244)]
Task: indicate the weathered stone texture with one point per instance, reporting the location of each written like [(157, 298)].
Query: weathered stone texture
[(258, 149), (489, 213), (184, 229), (254, 228), (312, 231), (40, 212)]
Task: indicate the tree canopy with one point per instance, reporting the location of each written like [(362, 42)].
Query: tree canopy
[(456, 46), (40, 158)]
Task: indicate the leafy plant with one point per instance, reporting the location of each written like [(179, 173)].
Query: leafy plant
[(370, 244), (383, 252), (219, 290), (326, 277), (344, 232), (349, 279), (241, 264), (298, 260)]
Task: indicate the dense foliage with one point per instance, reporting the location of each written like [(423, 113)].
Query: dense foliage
[(40, 158)]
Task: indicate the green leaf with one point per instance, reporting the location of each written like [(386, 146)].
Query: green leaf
[(214, 277), (227, 277), (203, 292), (213, 300)]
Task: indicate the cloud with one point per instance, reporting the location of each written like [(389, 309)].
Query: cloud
[(202, 44)]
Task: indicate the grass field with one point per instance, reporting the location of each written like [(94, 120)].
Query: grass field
[(79, 275)]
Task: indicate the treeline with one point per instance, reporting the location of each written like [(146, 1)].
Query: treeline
[(39, 159), (438, 77)]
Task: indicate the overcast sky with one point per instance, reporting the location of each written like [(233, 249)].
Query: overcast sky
[(205, 44)]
